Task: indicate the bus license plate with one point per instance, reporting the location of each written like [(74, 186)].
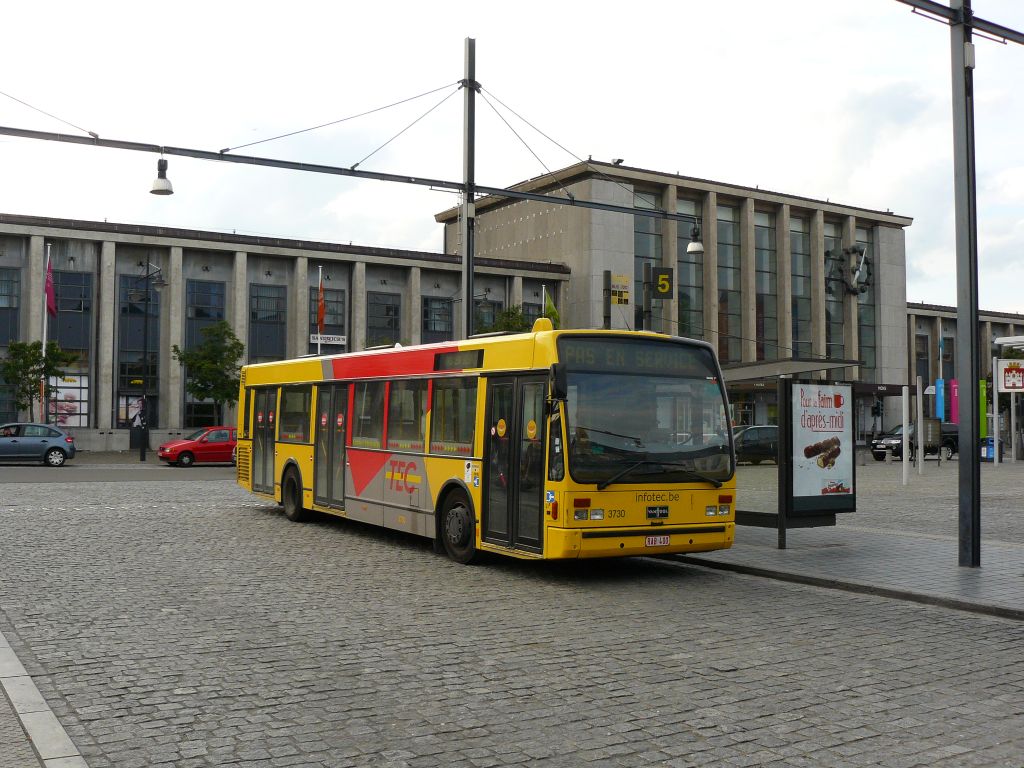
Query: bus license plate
[(656, 541)]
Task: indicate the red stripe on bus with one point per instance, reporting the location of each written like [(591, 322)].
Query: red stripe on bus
[(398, 362)]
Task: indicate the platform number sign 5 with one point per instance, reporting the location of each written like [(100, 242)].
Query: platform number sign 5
[(661, 277)]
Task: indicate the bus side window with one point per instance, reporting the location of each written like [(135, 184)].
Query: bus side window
[(453, 416), (294, 420), (407, 403), (368, 419)]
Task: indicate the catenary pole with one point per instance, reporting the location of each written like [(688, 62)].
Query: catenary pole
[(467, 223), (968, 354)]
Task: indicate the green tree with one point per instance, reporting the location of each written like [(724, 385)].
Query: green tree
[(212, 367), (512, 320), (28, 371)]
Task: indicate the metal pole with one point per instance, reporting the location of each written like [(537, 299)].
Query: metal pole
[(906, 436), (918, 432), (606, 300), (995, 414), (1013, 427), (968, 362), (144, 402), (646, 314), (467, 227)]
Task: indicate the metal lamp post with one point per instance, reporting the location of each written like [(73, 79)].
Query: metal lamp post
[(152, 279)]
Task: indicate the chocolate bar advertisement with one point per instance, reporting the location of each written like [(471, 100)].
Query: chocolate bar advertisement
[(823, 446)]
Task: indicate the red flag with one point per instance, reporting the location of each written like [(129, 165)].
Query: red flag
[(51, 298), (321, 308)]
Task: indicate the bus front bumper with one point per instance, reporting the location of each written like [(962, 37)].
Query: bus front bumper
[(620, 542)]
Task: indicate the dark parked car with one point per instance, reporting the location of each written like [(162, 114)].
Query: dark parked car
[(893, 441), (758, 443), (209, 445), (35, 442)]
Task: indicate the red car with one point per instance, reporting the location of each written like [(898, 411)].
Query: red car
[(209, 445)]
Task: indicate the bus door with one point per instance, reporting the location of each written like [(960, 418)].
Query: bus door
[(514, 462), (329, 465), (264, 405)]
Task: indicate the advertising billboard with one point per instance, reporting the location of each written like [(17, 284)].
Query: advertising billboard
[(823, 446)]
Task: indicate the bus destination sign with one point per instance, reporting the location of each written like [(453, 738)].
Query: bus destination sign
[(653, 357)]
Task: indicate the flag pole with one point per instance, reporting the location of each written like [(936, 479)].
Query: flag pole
[(46, 316), (319, 310)]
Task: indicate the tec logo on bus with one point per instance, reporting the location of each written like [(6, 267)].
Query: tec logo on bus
[(401, 476)]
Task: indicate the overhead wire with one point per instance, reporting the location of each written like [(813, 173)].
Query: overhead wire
[(378, 149), (44, 112), (569, 152), (336, 122)]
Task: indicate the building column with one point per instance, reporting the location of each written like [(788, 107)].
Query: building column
[(35, 288), (240, 300), (985, 345), (709, 238), (298, 316), (935, 347), (172, 386), (818, 346), (784, 281), (412, 323), (668, 317), (851, 340), (357, 338), (515, 298), (748, 282), (106, 342)]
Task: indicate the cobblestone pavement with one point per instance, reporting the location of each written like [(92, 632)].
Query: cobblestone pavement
[(187, 623)]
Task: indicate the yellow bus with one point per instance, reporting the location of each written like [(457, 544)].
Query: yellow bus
[(541, 445)]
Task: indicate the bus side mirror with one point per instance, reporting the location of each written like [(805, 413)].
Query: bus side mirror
[(559, 386)]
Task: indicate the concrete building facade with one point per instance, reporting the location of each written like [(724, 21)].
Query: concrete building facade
[(266, 288), (780, 288)]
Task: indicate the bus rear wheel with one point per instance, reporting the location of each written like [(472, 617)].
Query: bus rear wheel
[(291, 497), (458, 531)]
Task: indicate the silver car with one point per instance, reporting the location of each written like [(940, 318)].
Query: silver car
[(20, 441)]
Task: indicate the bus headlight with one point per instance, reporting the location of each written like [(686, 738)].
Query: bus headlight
[(579, 514), (723, 509), (710, 510), (597, 514)]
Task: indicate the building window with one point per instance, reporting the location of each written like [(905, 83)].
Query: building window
[(646, 250), (204, 306), (800, 256), (485, 314), (72, 330), (383, 318), (334, 320), (835, 346), (138, 348), (437, 320), (690, 273), (267, 322), (730, 331), (10, 292), (532, 310), (766, 272), (921, 366), (867, 313)]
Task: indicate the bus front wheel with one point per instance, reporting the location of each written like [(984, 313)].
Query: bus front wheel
[(458, 531), (291, 497)]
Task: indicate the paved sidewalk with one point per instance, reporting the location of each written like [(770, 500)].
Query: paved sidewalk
[(902, 542)]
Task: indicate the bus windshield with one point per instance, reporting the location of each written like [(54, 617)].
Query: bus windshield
[(641, 412)]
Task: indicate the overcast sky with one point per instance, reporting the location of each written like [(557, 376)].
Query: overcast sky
[(831, 99)]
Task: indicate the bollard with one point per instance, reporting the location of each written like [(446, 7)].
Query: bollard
[(888, 455)]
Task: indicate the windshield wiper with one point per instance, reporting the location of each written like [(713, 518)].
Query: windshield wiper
[(636, 465), (635, 439)]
